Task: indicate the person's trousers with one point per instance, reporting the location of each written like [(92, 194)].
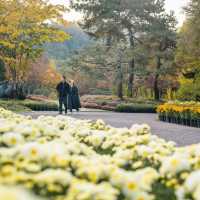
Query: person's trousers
[(62, 101)]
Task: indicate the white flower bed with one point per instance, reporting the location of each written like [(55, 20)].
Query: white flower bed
[(61, 158)]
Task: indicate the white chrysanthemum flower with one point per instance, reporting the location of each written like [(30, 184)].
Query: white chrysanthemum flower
[(175, 164), (196, 150), (27, 130), (144, 151), (50, 176), (193, 181), (180, 193), (100, 122), (84, 132), (196, 194), (12, 193), (141, 196), (141, 129), (6, 126), (12, 139), (33, 151), (82, 190)]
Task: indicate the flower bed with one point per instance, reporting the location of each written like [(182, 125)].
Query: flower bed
[(60, 158), (187, 113)]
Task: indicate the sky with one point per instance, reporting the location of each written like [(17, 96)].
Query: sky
[(175, 5)]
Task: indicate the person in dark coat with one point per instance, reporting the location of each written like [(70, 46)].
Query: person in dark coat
[(74, 99), (63, 89)]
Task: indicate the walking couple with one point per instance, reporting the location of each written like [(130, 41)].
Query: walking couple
[(68, 95)]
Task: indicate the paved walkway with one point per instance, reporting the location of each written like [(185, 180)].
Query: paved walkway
[(182, 135)]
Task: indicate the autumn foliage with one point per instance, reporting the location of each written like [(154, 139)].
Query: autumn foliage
[(25, 26)]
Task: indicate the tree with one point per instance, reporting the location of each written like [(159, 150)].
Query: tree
[(96, 63), (122, 22), (159, 43), (188, 53), (102, 21), (25, 26), (136, 16)]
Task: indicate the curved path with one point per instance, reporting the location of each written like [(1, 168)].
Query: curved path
[(182, 135)]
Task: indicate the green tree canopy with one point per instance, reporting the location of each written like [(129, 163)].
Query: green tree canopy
[(188, 53)]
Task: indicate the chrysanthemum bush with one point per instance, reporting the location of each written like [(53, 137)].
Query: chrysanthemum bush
[(186, 113), (60, 158)]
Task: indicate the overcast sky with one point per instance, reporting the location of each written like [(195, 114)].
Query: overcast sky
[(175, 5)]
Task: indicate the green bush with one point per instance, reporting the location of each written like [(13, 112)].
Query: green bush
[(41, 106), (189, 89), (136, 108), (28, 105), (14, 105)]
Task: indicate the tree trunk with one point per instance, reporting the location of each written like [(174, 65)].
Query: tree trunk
[(120, 86), (131, 66), (131, 78), (2, 71), (14, 83), (119, 76), (156, 88), (17, 85)]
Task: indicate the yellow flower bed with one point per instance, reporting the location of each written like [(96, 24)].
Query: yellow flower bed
[(179, 107), (185, 113), (61, 158)]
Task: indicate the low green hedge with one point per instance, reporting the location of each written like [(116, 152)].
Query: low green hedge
[(41, 106), (136, 108), (14, 105), (28, 105)]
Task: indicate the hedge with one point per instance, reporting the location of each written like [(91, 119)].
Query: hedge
[(136, 108), (41, 106)]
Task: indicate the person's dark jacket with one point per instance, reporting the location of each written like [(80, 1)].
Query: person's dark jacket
[(63, 89), (74, 99)]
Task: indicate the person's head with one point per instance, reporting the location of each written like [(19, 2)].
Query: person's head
[(63, 78), (72, 82)]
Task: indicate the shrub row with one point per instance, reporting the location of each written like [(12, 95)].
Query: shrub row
[(41, 106), (14, 105), (136, 108)]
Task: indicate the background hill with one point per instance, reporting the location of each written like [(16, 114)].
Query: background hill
[(63, 51)]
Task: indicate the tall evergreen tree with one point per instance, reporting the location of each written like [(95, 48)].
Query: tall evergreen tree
[(102, 20), (117, 20), (161, 43)]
